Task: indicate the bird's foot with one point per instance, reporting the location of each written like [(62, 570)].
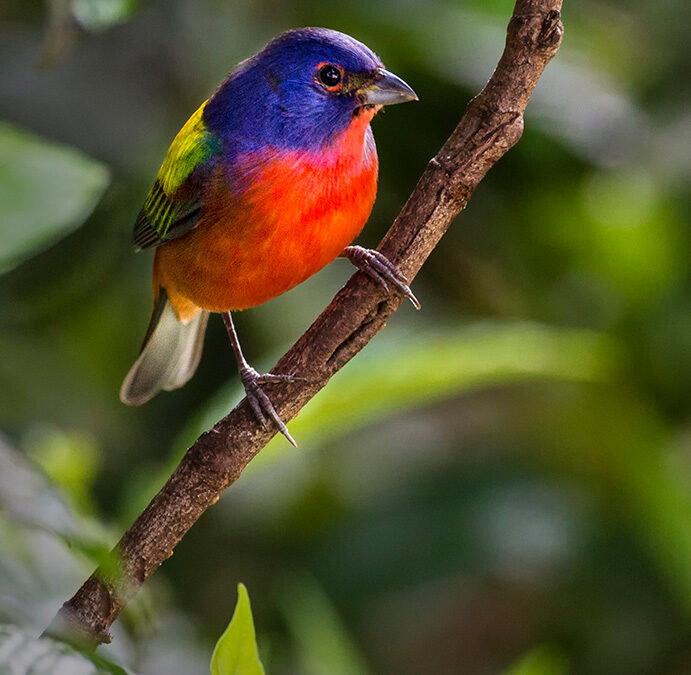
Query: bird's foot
[(380, 269), (261, 404)]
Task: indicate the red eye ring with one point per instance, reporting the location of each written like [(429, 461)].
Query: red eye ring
[(330, 76)]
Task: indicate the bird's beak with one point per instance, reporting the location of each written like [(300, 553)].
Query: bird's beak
[(385, 89)]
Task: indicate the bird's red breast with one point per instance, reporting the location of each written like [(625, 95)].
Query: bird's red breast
[(298, 213)]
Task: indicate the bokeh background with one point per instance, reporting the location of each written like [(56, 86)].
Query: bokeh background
[(499, 483)]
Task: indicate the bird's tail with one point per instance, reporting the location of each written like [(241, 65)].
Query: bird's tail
[(170, 353)]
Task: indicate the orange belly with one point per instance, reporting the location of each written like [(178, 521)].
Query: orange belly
[(299, 214)]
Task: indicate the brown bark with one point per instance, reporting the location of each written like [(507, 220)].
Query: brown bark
[(492, 123)]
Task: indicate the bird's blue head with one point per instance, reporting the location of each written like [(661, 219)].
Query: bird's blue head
[(301, 90)]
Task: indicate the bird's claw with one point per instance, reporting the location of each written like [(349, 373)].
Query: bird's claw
[(260, 403), (381, 270)]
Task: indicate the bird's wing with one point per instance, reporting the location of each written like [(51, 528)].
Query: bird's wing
[(173, 206)]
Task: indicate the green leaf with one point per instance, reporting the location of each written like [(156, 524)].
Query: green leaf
[(236, 650), (46, 191)]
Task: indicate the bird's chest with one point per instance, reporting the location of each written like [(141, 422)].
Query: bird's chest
[(312, 207), (307, 211), (296, 214)]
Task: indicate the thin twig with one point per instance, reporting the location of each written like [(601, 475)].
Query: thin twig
[(492, 124)]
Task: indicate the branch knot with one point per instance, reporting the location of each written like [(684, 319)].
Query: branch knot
[(551, 31)]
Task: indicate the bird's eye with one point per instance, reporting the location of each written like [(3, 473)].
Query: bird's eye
[(330, 76)]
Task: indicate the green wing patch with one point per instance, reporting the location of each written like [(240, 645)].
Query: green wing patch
[(162, 218), (172, 207)]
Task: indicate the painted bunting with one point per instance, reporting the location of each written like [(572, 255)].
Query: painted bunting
[(268, 181)]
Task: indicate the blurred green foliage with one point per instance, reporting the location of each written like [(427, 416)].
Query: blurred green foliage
[(101, 14), (497, 484), (321, 639), (540, 661), (21, 652), (69, 185)]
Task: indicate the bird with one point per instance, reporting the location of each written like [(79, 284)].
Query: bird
[(271, 179)]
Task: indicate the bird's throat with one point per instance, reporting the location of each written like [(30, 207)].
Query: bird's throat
[(353, 145)]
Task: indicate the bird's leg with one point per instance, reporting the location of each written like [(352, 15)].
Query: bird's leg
[(252, 381), (380, 269)]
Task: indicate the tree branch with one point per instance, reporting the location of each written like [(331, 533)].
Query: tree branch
[(492, 124)]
